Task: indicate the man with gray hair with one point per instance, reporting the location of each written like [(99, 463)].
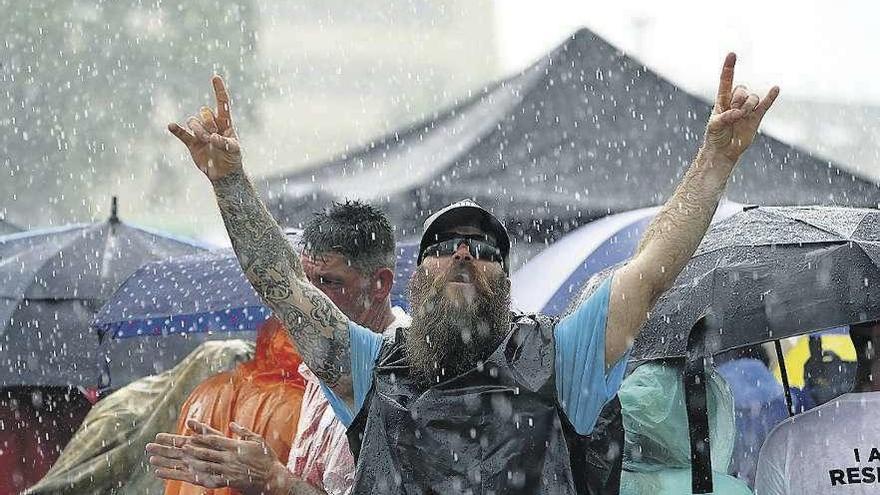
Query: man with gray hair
[(349, 255)]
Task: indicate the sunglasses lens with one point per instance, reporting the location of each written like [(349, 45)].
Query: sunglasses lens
[(479, 249)]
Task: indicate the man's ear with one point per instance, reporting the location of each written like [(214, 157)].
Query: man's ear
[(383, 278)]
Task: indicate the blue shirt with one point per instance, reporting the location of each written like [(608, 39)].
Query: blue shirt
[(582, 383)]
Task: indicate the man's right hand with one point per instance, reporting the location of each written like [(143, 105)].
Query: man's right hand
[(211, 139)]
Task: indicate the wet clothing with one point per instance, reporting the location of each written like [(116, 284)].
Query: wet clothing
[(320, 454), (106, 455), (602, 453), (512, 425), (264, 395), (759, 403), (656, 455), (831, 449), (35, 425)]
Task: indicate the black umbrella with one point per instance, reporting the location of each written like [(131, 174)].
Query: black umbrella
[(769, 273), (52, 282)]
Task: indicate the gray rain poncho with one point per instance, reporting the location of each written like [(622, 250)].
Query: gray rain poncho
[(656, 456), (106, 455)]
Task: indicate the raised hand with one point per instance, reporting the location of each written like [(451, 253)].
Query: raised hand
[(737, 114), (211, 139)]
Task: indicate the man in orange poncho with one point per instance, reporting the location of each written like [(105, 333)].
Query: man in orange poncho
[(263, 396)]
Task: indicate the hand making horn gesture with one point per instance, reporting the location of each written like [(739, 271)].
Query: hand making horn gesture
[(211, 139), (737, 114)]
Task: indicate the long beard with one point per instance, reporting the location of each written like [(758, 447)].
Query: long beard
[(452, 334)]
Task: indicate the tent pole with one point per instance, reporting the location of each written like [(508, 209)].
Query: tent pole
[(784, 374)]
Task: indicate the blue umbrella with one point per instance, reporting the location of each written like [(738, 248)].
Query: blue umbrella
[(407, 254), (203, 292), (187, 300), (196, 293), (552, 280)]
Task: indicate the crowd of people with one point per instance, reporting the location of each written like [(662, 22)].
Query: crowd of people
[(347, 394)]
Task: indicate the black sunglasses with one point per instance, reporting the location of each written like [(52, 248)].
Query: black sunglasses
[(478, 246)]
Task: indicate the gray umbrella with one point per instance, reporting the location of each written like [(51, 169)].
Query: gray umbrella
[(769, 273), (52, 282), (8, 228)]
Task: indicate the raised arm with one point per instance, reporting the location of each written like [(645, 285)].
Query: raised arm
[(678, 228), (318, 328)]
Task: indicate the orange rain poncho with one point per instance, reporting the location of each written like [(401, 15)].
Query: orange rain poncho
[(264, 395)]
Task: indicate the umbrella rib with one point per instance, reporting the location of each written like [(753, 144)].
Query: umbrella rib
[(804, 222), (763, 244), (48, 259)]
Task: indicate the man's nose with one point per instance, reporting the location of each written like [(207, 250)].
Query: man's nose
[(462, 253)]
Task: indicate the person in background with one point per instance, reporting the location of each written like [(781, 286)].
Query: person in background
[(262, 395), (320, 454), (759, 403), (826, 374), (349, 255), (835, 447), (657, 451)]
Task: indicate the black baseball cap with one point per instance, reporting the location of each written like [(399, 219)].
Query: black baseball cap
[(465, 213)]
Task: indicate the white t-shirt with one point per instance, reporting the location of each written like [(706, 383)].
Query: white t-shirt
[(832, 449), (319, 453)]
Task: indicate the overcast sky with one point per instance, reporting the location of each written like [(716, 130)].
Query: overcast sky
[(813, 49)]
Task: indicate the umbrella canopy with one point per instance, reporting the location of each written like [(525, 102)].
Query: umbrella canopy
[(52, 282), (584, 132), (553, 281), (167, 308), (769, 273)]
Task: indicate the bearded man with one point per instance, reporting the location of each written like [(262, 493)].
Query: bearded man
[(472, 399)]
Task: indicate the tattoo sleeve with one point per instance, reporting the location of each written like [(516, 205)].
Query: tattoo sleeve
[(318, 328)]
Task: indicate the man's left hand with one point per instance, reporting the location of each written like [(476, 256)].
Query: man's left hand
[(736, 115)]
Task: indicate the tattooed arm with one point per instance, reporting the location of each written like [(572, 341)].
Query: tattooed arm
[(678, 228), (318, 328)]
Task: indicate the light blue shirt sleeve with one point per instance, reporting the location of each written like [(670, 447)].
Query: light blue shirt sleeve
[(365, 347), (582, 385)]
